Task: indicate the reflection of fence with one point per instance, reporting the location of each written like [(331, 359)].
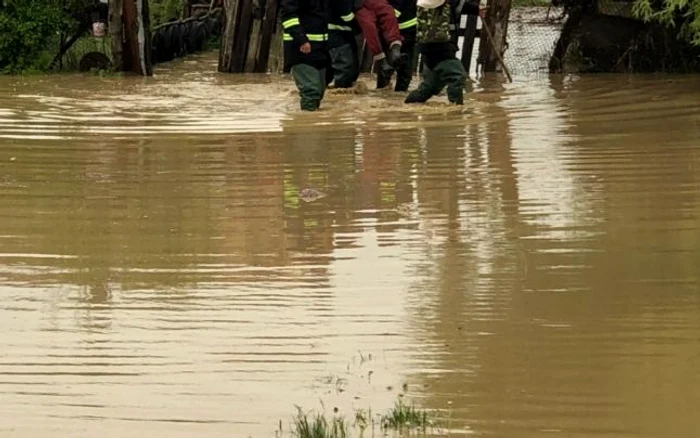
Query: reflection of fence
[(179, 38)]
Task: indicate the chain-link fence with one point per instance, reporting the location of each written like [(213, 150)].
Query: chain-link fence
[(532, 35)]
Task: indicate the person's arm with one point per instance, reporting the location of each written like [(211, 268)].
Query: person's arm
[(291, 23), (346, 11)]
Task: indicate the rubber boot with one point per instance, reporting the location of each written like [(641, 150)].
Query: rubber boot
[(427, 89), (384, 71)]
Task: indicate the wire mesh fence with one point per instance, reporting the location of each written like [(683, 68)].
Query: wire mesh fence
[(532, 36)]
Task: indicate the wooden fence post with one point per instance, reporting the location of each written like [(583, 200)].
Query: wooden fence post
[(115, 32), (137, 39), (497, 20), (228, 36)]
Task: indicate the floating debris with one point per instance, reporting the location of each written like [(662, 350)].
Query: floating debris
[(310, 195), (406, 210)]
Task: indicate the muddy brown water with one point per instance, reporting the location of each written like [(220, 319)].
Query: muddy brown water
[(527, 266)]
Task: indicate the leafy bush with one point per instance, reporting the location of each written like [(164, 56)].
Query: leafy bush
[(681, 14), (162, 11), (31, 32)]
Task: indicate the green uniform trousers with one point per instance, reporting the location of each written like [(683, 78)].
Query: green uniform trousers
[(311, 83), (450, 73), (345, 66)]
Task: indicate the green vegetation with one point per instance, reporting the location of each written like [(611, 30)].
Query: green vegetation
[(162, 11), (31, 32), (319, 426), (681, 14), (401, 420)]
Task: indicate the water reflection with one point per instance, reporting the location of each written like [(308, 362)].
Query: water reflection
[(531, 259)]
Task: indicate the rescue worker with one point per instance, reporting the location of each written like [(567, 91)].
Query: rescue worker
[(305, 24), (406, 15), (377, 17), (342, 44), (438, 21)]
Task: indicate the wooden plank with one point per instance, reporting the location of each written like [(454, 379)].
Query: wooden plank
[(232, 13), (468, 42), (268, 32), (115, 32), (253, 45), (242, 36), (144, 37), (131, 43), (497, 20)]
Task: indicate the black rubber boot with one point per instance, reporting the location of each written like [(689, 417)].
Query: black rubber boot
[(384, 71), (427, 89)]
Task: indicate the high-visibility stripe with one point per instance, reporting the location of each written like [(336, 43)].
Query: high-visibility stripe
[(338, 27), (291, 23), (397, 13), (348, 17), (317, 36), (408, 24)]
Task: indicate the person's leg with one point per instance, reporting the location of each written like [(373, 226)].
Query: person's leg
[(430, 86), (404, 74), (311, 85), (388, 23), (368, 23), (451, 72), (344, 66), (321, 85)]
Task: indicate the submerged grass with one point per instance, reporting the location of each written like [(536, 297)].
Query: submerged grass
[(318, 426), (400, 420), (403, 416)]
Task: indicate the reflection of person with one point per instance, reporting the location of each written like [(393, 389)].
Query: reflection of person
[(305, 37), (342, 45), (438, 21)]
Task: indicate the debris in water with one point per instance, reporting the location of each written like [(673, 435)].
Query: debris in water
[(13, 159), (310, 195), (406, 210)]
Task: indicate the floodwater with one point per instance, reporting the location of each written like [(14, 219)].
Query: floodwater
[(526, 266)]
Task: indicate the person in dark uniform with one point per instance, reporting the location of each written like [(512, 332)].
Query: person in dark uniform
[(305, 24), (438, 21), (406, 14), (342, 44)]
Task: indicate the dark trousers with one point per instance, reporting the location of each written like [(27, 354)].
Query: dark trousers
[(373, 17), (404, 74), (311, 83), (345, 67), (448, 73)]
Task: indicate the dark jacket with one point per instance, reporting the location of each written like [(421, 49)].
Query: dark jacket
[(435, 53), (305, 21), (406, 14), (342, 26)]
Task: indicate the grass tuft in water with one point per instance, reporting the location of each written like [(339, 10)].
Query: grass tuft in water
[(317, 426), (403, 416)]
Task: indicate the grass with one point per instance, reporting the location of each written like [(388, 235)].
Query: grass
[(318, 426), (400, 420), (402, 416)]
